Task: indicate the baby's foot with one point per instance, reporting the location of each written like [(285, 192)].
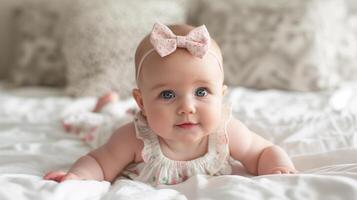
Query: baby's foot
[(82, 123), (109, 97)]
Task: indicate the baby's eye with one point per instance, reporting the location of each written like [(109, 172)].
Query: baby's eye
[(201, 92), (167, 94)]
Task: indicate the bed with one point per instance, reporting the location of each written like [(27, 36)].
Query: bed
[(293, 45), (317, 129)]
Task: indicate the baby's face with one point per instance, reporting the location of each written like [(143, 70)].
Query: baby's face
[(181, 95)]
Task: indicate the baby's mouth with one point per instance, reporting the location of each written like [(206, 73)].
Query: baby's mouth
[(186, 125)]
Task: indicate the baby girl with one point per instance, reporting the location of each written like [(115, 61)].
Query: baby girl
[(183, 127)]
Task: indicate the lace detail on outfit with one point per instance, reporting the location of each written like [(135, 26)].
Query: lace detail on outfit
[(158, 169)]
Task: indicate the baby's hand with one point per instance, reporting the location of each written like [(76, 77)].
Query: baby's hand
[(61, 176), (283, 170)]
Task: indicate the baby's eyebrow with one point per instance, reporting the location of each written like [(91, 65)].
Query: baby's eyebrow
[(157, 86), (161, 85), (204, 82)]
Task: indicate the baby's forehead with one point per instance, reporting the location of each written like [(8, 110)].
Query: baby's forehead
[(172, 71)]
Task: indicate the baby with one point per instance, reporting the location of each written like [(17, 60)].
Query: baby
[(183, 127)]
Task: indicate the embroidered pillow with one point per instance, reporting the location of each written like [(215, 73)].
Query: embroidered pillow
[(298, 45), (101, 39), (37, 58)]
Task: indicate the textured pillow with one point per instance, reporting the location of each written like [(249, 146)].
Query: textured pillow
[(101, 39), (281, 44), (37, 58), (349, 64)]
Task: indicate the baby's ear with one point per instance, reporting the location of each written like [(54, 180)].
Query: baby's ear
[(224, 89), (139, 100)]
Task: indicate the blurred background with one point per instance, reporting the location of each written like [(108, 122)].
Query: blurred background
[(87, 47), (10, 25)]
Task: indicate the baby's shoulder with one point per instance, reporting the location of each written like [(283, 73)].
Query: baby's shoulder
[(237, 131), (126, 135), (234, 125)]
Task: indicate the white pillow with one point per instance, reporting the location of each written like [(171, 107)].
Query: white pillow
[(101, 38), (283, 44)]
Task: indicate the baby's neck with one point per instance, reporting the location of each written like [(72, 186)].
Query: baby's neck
[(184, 151)]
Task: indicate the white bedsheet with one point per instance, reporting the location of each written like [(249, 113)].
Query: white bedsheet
[(318, 130)]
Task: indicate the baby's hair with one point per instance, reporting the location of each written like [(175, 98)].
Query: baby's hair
[(178, 29)]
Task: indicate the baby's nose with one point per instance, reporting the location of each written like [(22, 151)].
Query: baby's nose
[(187, 106)]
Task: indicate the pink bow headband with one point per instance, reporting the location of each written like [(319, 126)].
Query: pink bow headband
[(165, 42)]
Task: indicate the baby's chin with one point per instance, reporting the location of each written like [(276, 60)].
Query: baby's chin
[(191, 136), (190, 139)]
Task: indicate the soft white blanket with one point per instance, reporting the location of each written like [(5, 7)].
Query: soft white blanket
[(318, 130)]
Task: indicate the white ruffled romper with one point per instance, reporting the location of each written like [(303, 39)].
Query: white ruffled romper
[(158, 169)]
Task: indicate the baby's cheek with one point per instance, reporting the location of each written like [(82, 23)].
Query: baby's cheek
[(211, 119), (158, 123)]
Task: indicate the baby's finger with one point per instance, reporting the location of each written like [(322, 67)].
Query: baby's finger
[(55, 176), (286, 171), (69, 177)]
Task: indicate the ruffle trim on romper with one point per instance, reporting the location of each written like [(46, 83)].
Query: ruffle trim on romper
[(164, 170)]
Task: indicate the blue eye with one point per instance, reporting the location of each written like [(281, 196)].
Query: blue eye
[(167, 94), (201, 92)]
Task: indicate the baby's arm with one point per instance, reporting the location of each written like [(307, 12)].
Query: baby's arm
[(106, 162), (258, 155)]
